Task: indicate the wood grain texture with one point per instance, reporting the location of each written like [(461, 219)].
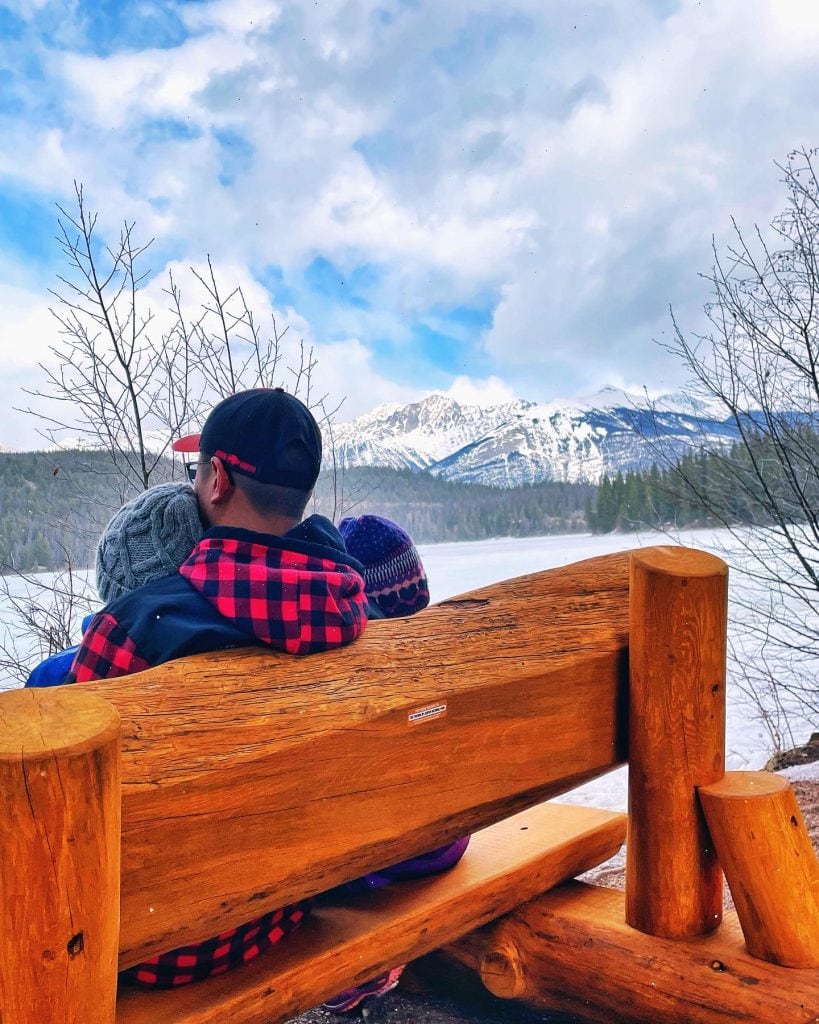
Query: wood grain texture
[(59, 857), (769, 862), (340, 945), (570, 951), (678, 620), (251, 778)]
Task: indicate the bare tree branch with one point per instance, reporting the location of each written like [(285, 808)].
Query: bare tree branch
[(126, 380), (759, 363)]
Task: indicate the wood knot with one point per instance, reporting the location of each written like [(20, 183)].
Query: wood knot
[(76, 944), (502, 973)]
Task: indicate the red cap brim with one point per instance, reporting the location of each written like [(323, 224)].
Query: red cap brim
[(188, 443)]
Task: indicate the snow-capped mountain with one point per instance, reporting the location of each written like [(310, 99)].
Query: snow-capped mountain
[(525, 442), (417, 436)]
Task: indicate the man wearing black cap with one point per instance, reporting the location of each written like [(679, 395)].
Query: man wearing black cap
[(259, 456), (259, 575)]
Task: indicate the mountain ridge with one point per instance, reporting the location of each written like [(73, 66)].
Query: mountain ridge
[(523, 442)]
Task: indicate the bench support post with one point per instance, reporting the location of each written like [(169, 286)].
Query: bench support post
[(677, 649), (769, 861), (59, 857)]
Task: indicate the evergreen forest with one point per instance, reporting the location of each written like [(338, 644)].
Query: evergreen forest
[(434, 510), (54, 505), (717, 488)]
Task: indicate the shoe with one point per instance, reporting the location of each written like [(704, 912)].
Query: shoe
[(361, 1000)]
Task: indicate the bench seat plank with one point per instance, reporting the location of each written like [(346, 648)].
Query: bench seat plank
[(346, 943)]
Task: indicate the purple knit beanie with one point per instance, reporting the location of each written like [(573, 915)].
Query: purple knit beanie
[(394, 575)]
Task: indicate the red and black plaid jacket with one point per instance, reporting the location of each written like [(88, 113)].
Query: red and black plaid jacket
[(299, 593)]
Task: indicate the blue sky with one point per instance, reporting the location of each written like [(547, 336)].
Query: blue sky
[(482, 199)]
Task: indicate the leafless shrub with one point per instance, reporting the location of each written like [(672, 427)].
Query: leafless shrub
[(758, 365)]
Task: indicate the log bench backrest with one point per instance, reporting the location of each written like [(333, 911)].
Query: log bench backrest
[(251, 779)]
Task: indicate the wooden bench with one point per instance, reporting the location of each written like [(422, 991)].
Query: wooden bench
[(160, 809)]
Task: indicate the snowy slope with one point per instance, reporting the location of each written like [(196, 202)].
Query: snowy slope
[(523, 442), (419, 435)]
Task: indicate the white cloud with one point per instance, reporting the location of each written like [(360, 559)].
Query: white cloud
[(232, 17), (486, 392), (790, 27), (569, 163), (25, 8), (113, 92), (27, 329), (344, 372), (634, 187)]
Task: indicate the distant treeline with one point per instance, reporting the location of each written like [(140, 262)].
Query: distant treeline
[(53, 503), (57, 503), (714, 489), (433, 510)]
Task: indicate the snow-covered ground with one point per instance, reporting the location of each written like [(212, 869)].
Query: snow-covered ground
[(459, 567)]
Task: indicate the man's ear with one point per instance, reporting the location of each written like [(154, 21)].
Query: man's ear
[(219, 485)]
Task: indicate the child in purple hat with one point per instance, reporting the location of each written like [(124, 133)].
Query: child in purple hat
[(394, 576)]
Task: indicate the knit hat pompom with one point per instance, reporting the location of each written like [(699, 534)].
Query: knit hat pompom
[(394, 575), (148, 538)]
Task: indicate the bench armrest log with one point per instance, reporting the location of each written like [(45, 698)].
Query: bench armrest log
[(769, 861), (59, 857)]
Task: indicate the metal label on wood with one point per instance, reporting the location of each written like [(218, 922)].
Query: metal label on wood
[(426, 714)]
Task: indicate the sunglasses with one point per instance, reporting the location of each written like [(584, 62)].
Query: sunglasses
[(191, 467)]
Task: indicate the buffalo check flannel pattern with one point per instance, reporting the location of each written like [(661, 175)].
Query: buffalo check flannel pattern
[(219, 954), (292, 601), (287, 599), (106, 651)]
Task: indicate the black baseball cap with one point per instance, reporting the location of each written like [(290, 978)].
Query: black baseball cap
[(265, 434)]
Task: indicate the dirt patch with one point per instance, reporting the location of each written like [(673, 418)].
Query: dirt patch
[(401, 1007), (807, 793)]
